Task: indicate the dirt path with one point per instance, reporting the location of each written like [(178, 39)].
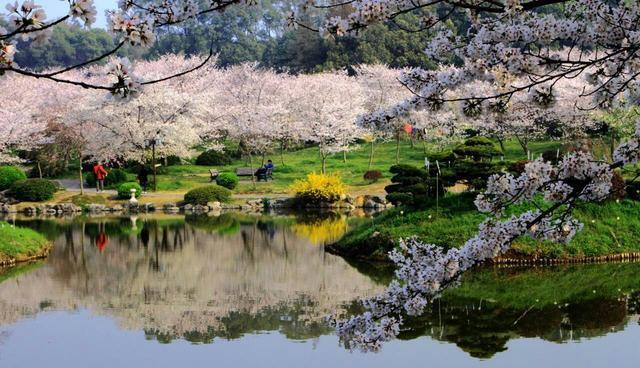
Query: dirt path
[(71, 185)]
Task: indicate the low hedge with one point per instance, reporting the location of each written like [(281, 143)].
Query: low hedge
[(209, 193), (33, 190), (10, 175), (115, 177), (227, 180), (214, 158), (124, 190)]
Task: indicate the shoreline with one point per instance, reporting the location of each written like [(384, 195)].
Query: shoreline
[(21, 258), (511, 259)]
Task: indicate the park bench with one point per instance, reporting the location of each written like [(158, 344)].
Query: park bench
[(260, 174), (214, 174), (265, 175), (245, 171)]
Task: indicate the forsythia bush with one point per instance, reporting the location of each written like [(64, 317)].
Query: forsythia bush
[(319, 188)]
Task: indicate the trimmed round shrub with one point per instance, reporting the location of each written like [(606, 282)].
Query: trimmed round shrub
[(399, 198), (10, 175), (478, 148), (124, 190), (33, 190), (209, 193), (214, 158), (115, 177), (227, 180), (372, 176), (444, 158)]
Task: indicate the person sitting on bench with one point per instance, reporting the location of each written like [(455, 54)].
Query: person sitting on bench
[(266, 172)]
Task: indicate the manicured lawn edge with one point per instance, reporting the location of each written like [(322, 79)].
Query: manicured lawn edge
[(19, 245), (611, 232)]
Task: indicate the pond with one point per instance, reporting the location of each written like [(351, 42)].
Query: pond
[(249, 291)]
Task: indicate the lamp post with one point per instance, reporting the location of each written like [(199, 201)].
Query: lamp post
[(153, 143)]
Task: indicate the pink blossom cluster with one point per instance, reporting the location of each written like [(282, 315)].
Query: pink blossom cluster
[(126, 84)]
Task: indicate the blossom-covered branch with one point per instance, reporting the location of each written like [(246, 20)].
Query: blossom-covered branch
[(424, 271), (599, 44), (134, 22)]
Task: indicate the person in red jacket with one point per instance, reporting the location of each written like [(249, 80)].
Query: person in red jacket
[(100, 174)]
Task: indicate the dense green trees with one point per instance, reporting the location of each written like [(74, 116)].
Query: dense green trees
[(247, 34), (70, 44)]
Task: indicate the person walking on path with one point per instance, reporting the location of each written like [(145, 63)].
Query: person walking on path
[(100, 174)]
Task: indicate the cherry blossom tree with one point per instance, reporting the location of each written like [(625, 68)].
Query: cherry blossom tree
[(560, 118), (381, 88), (330, 106), (513, 45), (118, 129), (20, 128), (253, 107), (288, 126)]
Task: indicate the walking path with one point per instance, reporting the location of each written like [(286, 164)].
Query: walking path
[(72, 185)]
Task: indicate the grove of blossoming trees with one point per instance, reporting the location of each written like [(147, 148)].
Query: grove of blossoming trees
[(525, 53), (522, 57)]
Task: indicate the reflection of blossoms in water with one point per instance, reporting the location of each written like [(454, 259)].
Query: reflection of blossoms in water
[(322, 231), (176, 279)]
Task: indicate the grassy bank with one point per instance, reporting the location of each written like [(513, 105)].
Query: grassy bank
[(609, 228), (20, 244)]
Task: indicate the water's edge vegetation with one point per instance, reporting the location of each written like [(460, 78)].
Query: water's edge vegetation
[(610, 229), (21, 245)]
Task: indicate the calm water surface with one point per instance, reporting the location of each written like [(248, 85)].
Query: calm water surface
[(241, 291)]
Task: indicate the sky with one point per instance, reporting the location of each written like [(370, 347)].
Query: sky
[(57, 8)]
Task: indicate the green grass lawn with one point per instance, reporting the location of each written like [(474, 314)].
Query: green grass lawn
[(16, 242), (299, 163), (609, 228)]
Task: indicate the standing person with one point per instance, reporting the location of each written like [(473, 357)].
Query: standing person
[(143, 177), (100, 174)]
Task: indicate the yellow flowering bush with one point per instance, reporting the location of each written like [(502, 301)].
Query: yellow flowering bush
[(318, 188)]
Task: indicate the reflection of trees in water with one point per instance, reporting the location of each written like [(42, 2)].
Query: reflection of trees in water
[(483, 329), (291, 319), (177, 279)]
